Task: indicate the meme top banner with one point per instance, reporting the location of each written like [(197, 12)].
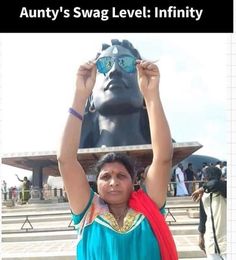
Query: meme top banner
[(116, 16)]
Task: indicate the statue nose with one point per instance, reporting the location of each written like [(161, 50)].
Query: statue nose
[(115, 69)]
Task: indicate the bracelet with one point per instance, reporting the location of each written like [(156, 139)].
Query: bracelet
[(75, 113)]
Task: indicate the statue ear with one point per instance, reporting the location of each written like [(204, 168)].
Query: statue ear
[(92, 108)]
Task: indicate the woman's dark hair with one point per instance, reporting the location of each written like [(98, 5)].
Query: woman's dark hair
[(213, 173), (115, 157)]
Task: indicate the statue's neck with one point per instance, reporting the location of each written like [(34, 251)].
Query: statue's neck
[(116, 130)]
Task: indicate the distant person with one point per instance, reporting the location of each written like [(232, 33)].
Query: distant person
[(4, 190), (213, 220), (142, 174), (25, 190), (218, 164), (189, 173), (181, 189), (173, 180), (203, 170), (138, 179), (198, 174), (14, 193)]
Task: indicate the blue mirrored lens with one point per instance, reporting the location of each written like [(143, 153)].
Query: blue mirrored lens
[(104, 64), (126, 62)]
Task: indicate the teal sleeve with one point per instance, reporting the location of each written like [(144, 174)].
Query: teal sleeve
[(76, 218)]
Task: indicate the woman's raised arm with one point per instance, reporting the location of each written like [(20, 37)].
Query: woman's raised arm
[(74, 178), (159, 171)]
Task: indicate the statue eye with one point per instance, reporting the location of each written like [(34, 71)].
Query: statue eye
[(127, 63), (104, 64)]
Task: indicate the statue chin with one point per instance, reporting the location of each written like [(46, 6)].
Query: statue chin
[(118, 109)]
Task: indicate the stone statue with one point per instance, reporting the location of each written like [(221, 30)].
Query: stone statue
[(115, 113)]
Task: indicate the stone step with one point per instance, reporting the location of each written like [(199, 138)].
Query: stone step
[(50, 249), (65, 249), (16, 220), (59, 222), (60, 244), (63, 234), (40, 236), (188, 226), (11, 214), (37, 226), (184, 230), (187, 246), (36, 208)]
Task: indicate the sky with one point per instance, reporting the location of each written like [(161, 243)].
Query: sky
[(37, 73)]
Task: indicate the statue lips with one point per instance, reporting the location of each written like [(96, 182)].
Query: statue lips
[(115, 84)]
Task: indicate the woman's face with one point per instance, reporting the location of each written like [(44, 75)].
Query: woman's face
[(117, 91), (114, 183)]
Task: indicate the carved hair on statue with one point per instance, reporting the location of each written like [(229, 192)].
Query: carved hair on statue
[(126, 44)]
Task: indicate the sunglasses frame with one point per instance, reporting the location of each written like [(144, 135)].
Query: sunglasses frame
[(115, 59)]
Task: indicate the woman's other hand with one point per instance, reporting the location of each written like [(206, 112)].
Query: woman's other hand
[(86, 78), (148, 78)]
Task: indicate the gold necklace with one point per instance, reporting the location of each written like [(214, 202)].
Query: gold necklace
[(122, 215)]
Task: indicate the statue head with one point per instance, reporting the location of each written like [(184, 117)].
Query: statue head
[(116, 92)]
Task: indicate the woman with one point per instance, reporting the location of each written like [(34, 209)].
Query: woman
[(118, 223), (25, 190)]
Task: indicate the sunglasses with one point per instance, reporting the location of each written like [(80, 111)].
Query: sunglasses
[(126, 62)]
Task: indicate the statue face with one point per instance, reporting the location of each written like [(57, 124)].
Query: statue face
[(117, 92)]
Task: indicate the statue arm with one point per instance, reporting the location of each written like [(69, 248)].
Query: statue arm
[(159, 172), (74, 178)]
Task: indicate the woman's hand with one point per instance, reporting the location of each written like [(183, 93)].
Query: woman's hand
[(148, 78), (86, 78)]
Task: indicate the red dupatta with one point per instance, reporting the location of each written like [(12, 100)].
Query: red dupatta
[(141, 202)]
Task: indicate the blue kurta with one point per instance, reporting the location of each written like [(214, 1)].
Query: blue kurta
[(101, 238)]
